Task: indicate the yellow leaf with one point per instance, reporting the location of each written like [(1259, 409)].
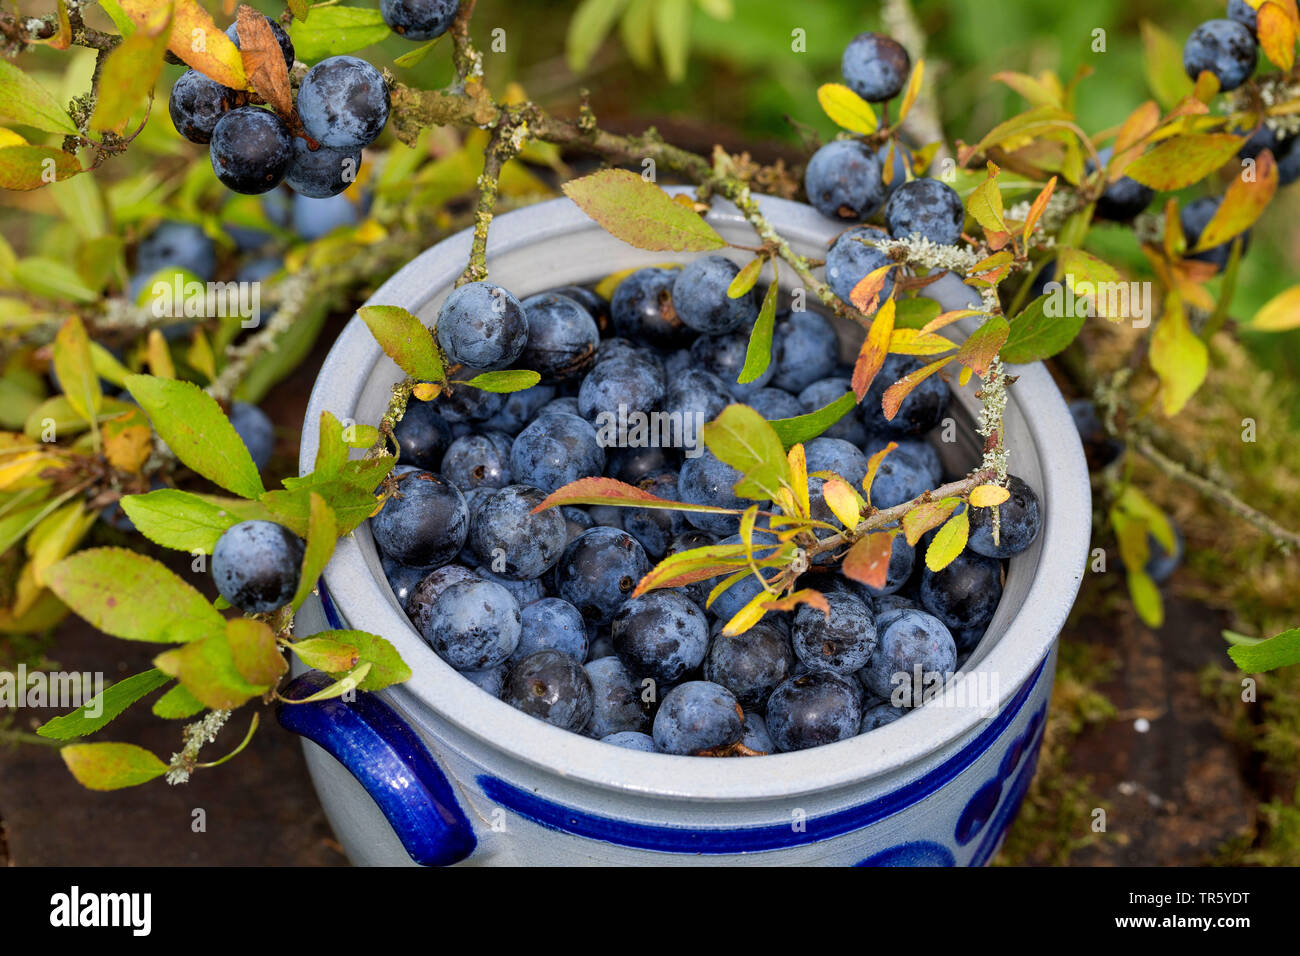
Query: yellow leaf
[(1276, 34), (14, 468), (1178, 357), (799, 477), (843, 501), (989, 496), (427, 391), (848, 110), (57, 536), (985, 203), (913, 90), (1243, 203), (159, 356), (918, 342), (76, 369), (128, 441), (948, 542), (1280, 313), (131, 71)]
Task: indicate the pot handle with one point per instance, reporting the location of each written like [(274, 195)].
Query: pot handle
[(390, 761)]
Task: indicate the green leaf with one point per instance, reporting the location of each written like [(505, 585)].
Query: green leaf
[(405, 340), (640, 213), (207, 669), (51, 278), (1146, 598), (196, 429), (1163, 65), (673, 32), (948, 542), (31, 167), (348, 682), (322, 535), (386, 665), (915, 313), (511, 380), (758, 354), (1035, 336), (24, 102), (413, 57), (637, 30), (177, 704), (107, 705), (180, 519), (743, 439), (588, 27), (334, 30), (325, 654), (133, 597), (58, 410), (111, 766), (1281, 650), (352, 503), (804, 428)]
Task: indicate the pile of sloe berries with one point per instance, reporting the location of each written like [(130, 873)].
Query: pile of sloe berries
[(342, 104), (537, 608)]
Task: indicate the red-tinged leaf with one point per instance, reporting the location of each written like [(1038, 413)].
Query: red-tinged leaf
[(898, 392), (1175, 241), (866, 294), (868, 560), (254, 651), (1276, 32), (805, 596), (610, 491), (925, 516), (993, 269), (982, 347), (263, 60), (1183, 160), (27, 167), (640, 213), (1037, 208), (873, 466), (1243, 203), (871, 357)]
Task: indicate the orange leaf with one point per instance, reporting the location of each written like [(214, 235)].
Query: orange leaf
[(874, 349), (806, 596), (1036, 210), (1243, 203), (873, 466), (866, 293), (263, 60), (868, 560), (1276, 33), (896, 393), (196, 40)]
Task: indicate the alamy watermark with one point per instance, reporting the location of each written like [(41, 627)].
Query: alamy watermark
[(61, 689), (1112, 300), (179, 299), (980, 690), (636, 429)]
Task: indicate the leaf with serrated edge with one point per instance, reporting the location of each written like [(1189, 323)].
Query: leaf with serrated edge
[(404, 339), (263, 60), (1281, 650), (207, 669), (196, 429), (179, 519), (132, 596), (510, 380), (326, 654), (1182, 160), (916, 342), (111, 766), (640, 213), (948, 542), (1033, 335), (177, 704), (254, 651), (743, 439), (803, 428), (108, 705)]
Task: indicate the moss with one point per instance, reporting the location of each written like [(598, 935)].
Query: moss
[(1055, 820)]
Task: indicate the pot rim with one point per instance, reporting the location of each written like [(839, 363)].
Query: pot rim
[(363, 602)]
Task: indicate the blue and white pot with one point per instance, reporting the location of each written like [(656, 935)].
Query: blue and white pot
[(436, 771)]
